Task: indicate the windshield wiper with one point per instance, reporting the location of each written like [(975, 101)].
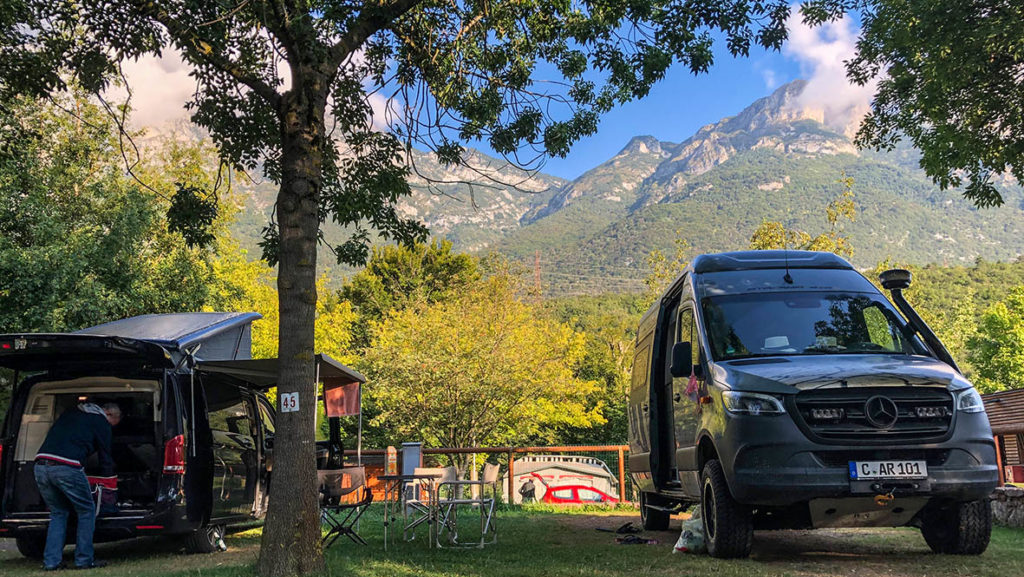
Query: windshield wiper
[(756, 356), (825, 349)]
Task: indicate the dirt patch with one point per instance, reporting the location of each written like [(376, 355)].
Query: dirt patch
[(146, 555), (835, 552)]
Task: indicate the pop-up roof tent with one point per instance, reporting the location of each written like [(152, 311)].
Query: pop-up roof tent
[(219, 336)]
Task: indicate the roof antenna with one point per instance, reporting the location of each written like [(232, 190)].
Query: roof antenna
[(787, 279)]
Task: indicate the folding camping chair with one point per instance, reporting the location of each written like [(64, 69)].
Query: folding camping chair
[(454, 497), (344, 497), (420, 501)]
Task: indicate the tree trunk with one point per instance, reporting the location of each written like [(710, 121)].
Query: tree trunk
[(291, 536)]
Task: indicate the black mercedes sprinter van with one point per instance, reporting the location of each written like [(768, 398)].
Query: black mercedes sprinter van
[(192, 450), (781, 389)]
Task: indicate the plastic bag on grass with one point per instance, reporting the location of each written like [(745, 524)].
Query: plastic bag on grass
[(691, 540)]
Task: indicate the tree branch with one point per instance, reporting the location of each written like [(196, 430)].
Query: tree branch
[(199, 50), (369, 22)]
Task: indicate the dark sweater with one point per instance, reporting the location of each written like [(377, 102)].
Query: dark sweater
[(75, 436)]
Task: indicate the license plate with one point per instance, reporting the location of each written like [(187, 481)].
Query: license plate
[(860, 470)]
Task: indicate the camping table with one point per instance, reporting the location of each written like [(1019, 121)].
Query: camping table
[(395, 497)]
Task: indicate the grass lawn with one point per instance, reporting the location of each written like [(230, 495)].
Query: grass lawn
[(546, 543)]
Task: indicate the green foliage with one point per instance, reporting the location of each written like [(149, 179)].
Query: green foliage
[(483, 368), (80, 242), (477, 64), (997, 351), (238, 284), (399, 276), (662, 271), (949, 79), (774, 235), (609, 324), (192, 214)]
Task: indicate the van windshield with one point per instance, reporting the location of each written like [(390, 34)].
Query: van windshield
[(804, 323)]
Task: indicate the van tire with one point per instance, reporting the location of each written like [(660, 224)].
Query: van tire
[(957, 528), (653, 519), (31, 546), (206, 539), (728, 525)]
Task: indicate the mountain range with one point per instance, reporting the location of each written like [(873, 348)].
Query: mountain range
[(778, 159)]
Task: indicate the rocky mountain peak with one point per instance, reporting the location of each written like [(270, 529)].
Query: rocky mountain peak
[(781, 122), (645, 144), (780, 107)]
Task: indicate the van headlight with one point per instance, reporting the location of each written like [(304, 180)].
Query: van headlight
[(969, 401), (751, 403)]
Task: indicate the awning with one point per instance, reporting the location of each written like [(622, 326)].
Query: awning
[(262, 373)]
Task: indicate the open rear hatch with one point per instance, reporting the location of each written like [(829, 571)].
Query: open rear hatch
[(58, 371), (41, 352)]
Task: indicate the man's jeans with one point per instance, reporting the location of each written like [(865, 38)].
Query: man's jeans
[(65, 489)]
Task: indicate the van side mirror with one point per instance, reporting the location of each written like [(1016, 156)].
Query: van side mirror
[(681, 355)]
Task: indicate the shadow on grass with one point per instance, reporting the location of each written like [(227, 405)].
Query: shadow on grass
[(565, 543)]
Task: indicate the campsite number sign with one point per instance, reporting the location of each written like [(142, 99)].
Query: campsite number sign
[(289, 402)]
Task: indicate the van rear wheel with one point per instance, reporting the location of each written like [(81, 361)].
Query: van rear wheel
[(653, 519), (728, 525), (206, 539), (957, 528), (30, 546)]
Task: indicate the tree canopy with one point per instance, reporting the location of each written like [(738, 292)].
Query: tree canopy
[(774, 235), (949, 79), (398, 276), (997, 351), (482, 369), (81, 243)]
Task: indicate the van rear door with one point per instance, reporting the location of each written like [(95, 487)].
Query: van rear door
[(64, 354), (41, 352)]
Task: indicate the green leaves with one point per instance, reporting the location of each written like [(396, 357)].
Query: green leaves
[(81, 242), (997, 352), (949, 80), (774, 235), (483, 368), (192, 214)]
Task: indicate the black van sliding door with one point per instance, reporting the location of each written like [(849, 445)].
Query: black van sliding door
[(235, 456)]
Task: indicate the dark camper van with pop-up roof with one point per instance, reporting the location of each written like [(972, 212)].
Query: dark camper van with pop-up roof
[(781, 390), (192, 450)]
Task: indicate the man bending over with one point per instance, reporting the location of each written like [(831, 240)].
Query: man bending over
[(59, 472)]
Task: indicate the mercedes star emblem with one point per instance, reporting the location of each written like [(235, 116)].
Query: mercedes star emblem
[(881, 412)]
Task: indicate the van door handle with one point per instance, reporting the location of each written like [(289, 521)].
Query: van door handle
[(677, 397), (645, 407)]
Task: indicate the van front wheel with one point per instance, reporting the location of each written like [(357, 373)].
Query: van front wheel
[(31, 547), (652, 519), (206, 539), (728, 525), (957, 528)]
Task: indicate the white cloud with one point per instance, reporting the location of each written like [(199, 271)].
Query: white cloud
[(160, 87), (770, 78), (821, 52)]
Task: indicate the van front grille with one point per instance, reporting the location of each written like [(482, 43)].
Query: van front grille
[(875, 414)]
